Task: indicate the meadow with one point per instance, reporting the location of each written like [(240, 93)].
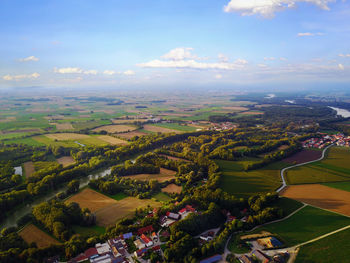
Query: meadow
[(334, 248), (242, 183), (31, 233), (306, 224), (334, 168), (345, 186)]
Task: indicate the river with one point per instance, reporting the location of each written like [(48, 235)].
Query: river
[(21, 211), (342, 112)]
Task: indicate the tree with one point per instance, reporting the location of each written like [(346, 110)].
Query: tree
[(73, 187)]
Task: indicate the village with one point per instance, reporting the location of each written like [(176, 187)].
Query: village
[(326, 139)]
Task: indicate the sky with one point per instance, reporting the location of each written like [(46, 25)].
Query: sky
[(184, 43)]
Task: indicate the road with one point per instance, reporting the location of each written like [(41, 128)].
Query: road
[(284, 184)]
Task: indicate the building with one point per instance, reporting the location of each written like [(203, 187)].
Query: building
[(148, 242), (102, 259), (269, 242), (140, 252), (261, 256), (146, 229), (91, 253), (139, 244), (173, 216), (103, 248), (212, 259), (245, 259)]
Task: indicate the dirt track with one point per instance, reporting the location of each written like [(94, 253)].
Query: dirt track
[(321, 196)]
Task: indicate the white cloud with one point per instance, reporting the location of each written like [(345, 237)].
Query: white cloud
[(269, 58), (222, 58), (71, 70), (262, 65), (31, 58), (179, 53), (90, 72), (344, 55), (109, 72), (129, 73), (192, 64), (218, 76), (68, 70), (35, 75), (268, 8), (341, 66), (283, 59), (308, 34)]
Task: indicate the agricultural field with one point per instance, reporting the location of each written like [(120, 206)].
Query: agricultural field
[(153, 128), (31, 233), (240, 183), (161, 197), (115, 128), (29, 169), (335, 248), (321, 196), (334, 168), (172, 188), (164, 175), (303, 156), (112, 140), (339, 185), (306, 224), (110, 214), (66, 161), (91, 199), (129, 135), (89, 231), (176, 126), (174, 158)]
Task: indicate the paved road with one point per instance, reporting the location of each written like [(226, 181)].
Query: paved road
[(284, 184)]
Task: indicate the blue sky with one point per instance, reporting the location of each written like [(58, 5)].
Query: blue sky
[(260, 43)]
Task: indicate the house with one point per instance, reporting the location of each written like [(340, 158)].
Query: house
[(103, 248), (102, 259), (139, 244), (119, 260), (245, 259), (80, 258), (148, 242), (261, 256), (212, 259), (156, 248), (127, 235), (154, 236), (140, 252), (146, 229), (91, 253), (166, 222), (174, 216), (269, 242)]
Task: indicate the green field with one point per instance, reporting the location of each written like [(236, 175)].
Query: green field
[(334, 248), (240, 183), (89, 231), (339, 185), (334, 168), (176, 126), (307, 224), (162, 197), (288, 205)]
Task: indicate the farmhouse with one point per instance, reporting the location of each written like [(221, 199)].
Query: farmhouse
[(245, 259), (261, 256), (146, 229), (173, 216), (103, 249), (140, 252), (269, 242), (148, 242), (139, 244)]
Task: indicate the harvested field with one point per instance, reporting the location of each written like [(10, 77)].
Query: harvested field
[(152, 128), (126, 207), (321, 196), (132, 134), (66, 136), (252, 113), (91, 199), (31, 233), (63, 126), (258, 235), (164, 175), (303, 156), (115, 128), (29, 168), (174, 158), (112, 140), (21, 131), (66, 160), (128, 121), (235, 108), (172, 188)]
